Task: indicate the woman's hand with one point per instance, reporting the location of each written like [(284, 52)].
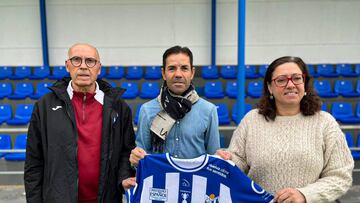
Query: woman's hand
[(289, 195)]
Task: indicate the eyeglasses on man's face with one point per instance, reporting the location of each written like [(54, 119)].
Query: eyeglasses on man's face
[(77, 61), (283, 80)]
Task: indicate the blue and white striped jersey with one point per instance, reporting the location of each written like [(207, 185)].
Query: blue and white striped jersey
[(162, 178)]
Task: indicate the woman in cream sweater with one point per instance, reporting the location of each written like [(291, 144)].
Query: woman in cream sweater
[(287, 145)]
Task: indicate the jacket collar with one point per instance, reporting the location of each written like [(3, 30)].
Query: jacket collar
[(99, 95), (60, 88)]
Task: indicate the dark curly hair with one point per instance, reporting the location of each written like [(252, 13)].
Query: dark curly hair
[(309, 104)]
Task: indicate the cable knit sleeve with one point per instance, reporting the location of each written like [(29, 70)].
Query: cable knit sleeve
[(238, 144), (336, 177)]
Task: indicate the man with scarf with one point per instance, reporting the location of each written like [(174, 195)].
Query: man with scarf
[(178, 121)]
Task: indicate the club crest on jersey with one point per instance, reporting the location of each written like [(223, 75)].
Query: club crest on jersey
[(158, 194), (211, 199)]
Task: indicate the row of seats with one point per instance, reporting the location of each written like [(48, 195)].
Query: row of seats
[(342, 111), (344, 88), (58, 72), (251, 71), (23, 90), (211, 90), (20, 144), (154, 72)]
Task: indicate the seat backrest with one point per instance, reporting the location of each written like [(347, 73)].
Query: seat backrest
[(263, 69), (23, 111), (115, 72), (228, 72), (349, 139), (42, 87), (358, 86), (322, 86), (152, 73), (40, 72), (255, 86), (344, 69), (22, 72), (213, 87), (132, 90), (134, 73), (149, 90), (20, 141), (5, 72), (357, 111), (342, 109), (250, 71), (5, 89), (58, 72), (343, 86), (24, 88), (5, 112), (209, 72), (5, 141), (102, 72)]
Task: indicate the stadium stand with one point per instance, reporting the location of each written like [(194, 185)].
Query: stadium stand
[(115, 72), (262, 70), (5, 143), (255, 89), (22, 90), (152, 73), (149, 90), (327, 70), (223, 114), (132, 90), (5, 89), (58, 72), (345, 88), (134, 73), (250, 72), (40, 72), (324, 89), (209, 72), (228, 72), (5, 112), (22, 114), (41, 89), (5, 72), (21, 73), (214, 90)]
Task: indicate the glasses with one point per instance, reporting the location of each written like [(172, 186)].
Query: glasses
[(77, 61), (283, 80)]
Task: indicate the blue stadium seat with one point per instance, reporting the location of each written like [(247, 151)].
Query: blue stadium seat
[(234, 114), (21, 73), (115, 72), (223, 114), (228, 72), (58, 72), (231, 89), (41, 89), (5, 90), (222, 141), (345, 70), (102, 72), (134, 73), (312, 71), (262, 70), (137, 112), (350, 143), (153, 73), (357, 69), (255, 89), (113, 84), (324, 107), (200, 90), (22, 114), (356, 154), (342, 111), (132, 90), (327, 70), (20, 143), (358, 86), (5, 112), (5, 72), (209, 72), (250, 71), (40, 72), (324, 89), (214, 90), (22, 90), (5, 143), (345, 88), (149, 90)]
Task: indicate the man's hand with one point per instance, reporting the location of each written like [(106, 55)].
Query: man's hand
[(128, 183), (135, 156), (289, 195), (223, 154)]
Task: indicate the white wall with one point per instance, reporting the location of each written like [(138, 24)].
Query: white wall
[(137, 32)]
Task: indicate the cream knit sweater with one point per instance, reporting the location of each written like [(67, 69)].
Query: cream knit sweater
[(304, 152)]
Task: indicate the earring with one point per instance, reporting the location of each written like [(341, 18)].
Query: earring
[(304, 93), (271, 97)]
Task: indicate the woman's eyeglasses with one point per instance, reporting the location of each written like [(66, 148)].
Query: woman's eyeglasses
[(283, 80)]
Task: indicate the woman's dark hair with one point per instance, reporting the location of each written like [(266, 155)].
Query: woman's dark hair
[(309, 104), (177, 50)]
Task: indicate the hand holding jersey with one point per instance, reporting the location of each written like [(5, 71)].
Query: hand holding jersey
[(162, 178)]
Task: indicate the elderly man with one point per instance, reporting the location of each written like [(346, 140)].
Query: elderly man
[(80, 137), (178, 121)]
